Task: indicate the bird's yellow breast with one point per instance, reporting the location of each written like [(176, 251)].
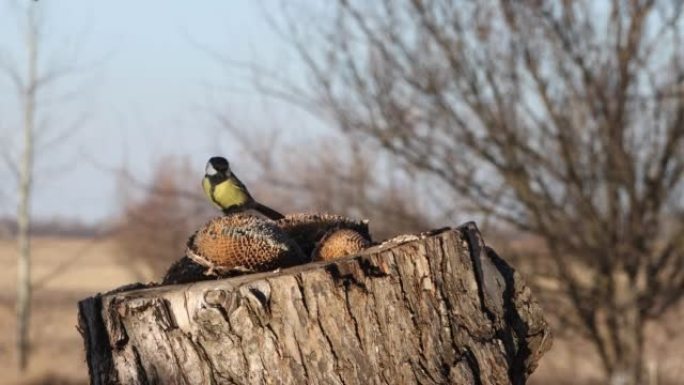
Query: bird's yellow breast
[(225, 194), (206, 186)]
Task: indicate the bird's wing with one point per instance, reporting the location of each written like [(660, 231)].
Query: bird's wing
[(238, 183)]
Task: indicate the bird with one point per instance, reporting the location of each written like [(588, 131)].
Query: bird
[(226, 191)]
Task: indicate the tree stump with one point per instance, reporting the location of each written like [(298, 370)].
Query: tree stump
[(429, 309)]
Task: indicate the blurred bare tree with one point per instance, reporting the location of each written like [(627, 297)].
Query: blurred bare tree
[(37, 84), (153, 228), (338, 176), (562, 118)]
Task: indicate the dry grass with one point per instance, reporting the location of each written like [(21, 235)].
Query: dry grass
[(67, 270), (64, 271), (574, 360)]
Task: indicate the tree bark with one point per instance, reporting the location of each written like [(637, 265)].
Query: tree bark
[(429, 309)]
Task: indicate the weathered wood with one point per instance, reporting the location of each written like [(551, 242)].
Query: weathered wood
[(436, 309)]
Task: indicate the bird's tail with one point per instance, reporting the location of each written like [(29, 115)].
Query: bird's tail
[(267, 211)]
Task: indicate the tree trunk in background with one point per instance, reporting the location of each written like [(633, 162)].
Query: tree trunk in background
[(625, 326), (617, 329), (23, 303), (429, 309), (627, 369), (621, 344)]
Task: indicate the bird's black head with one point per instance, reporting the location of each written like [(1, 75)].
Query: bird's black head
[(217, 165)]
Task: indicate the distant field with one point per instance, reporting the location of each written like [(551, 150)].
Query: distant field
[(66, 270)]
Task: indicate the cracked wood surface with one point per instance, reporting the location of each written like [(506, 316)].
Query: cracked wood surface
[(435, 309)]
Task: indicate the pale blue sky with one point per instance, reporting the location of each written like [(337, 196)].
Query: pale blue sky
[(148, 90)]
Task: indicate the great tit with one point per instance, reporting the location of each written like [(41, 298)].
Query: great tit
[(227, 192)]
